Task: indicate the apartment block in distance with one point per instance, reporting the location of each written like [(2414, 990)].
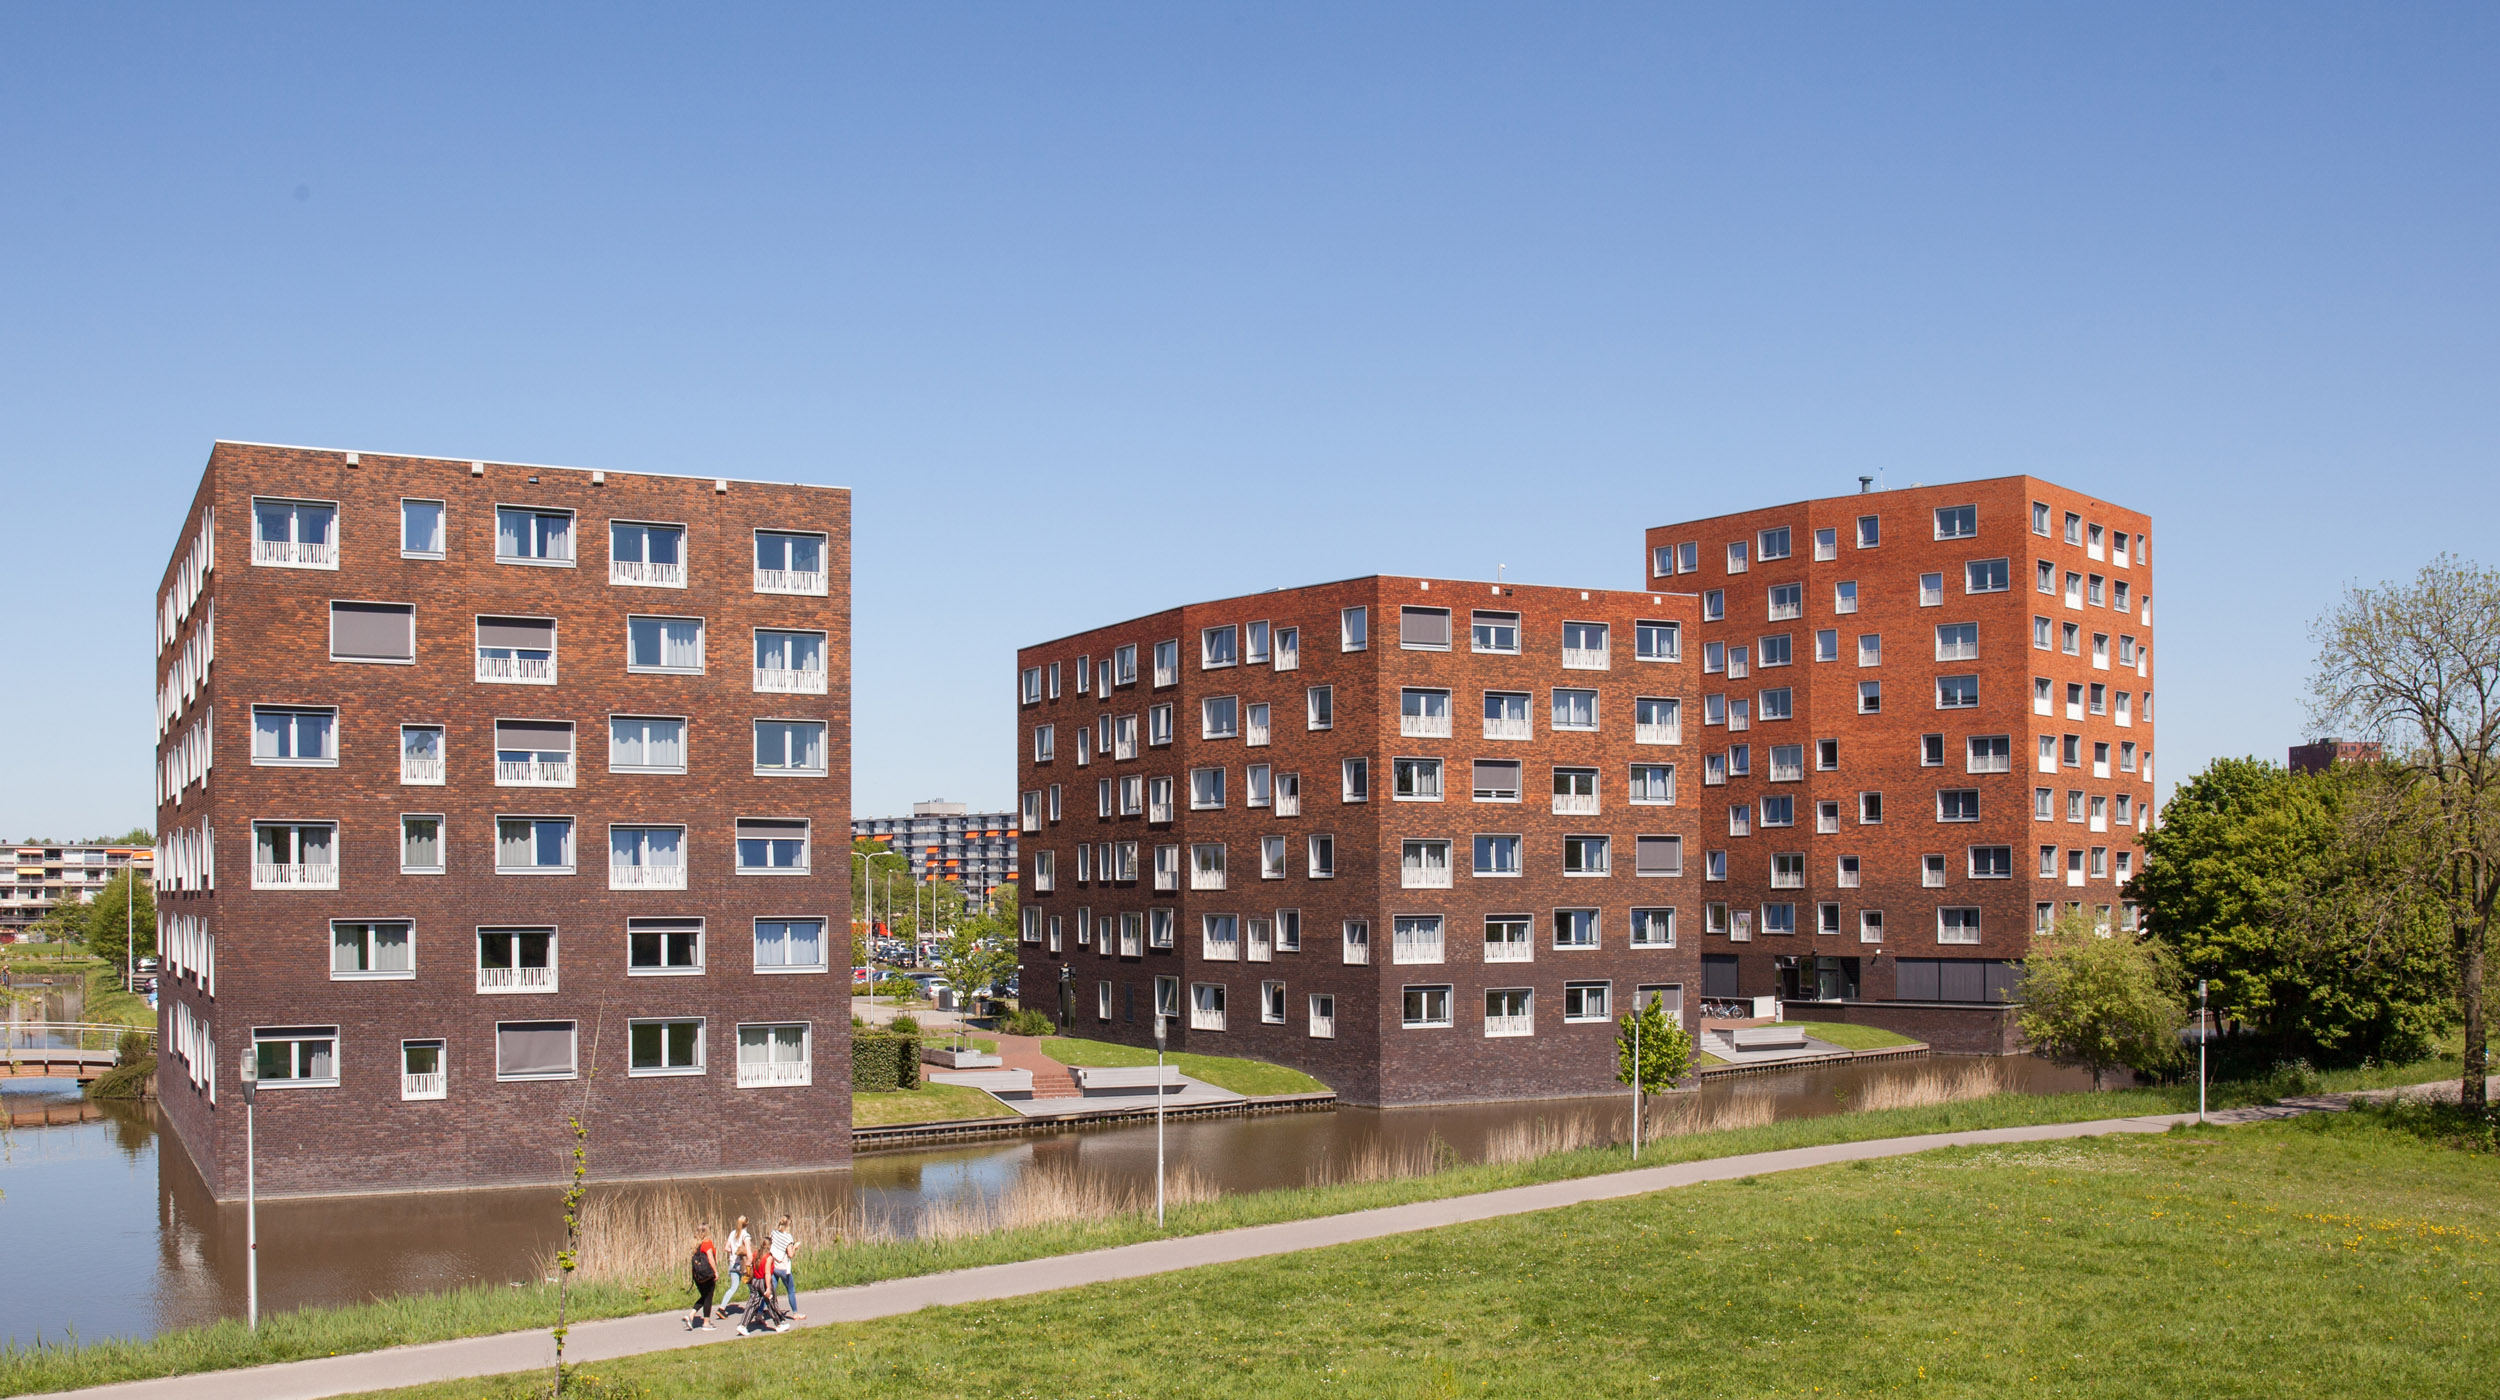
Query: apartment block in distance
[(47, 876), (1967, 671), (491, 791), (947, 841), (1419, 837)]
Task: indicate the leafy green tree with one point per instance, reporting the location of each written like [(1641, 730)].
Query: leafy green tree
[(2325, 949), (2102, 1000), (2417, 667), (136, 836), (1664, 1053), (63, 923), (113, 930), (974, 964)]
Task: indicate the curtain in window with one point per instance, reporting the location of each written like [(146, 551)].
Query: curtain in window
[(421, 842), (421, 743), (513, 843), (511, 532), (534, 1047)]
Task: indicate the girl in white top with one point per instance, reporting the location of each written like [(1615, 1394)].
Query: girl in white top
[(741, 1247)]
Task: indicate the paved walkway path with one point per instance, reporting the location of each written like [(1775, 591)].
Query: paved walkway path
[(628, 1336)]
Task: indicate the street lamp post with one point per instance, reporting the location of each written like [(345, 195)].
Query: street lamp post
[(251, 1192), (1159, 1033), (2204, 1031)]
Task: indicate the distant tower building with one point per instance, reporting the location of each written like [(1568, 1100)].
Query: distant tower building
[(943, 841)]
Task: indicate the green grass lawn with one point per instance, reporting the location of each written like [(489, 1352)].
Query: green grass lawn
[(478, 1311), (2325, 1256), (1252, 1077), (929, 1103), (1849, 1037)]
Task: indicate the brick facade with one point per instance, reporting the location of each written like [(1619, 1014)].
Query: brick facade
[(1885, 752), (1374, 1056), (243, 958)]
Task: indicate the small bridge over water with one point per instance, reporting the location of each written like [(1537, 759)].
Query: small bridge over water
[(78, 1050)]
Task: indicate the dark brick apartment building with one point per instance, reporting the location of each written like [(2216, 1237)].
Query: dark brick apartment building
[(478, 778), (1423, 838), (1961, 678)]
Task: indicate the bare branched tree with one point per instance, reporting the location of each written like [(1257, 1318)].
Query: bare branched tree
[(2417, 668)]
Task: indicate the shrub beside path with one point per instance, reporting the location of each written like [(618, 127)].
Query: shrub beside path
[(590, 1342)]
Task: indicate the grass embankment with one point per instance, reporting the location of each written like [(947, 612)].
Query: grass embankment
[(929, 1103), (1849, 1037), (2329, 1255), (108, 1002), (490, 1309), (1252, 1077)]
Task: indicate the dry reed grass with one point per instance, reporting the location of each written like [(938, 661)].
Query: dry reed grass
[(1934, 1085), (1513, 1143), (636, 1236)]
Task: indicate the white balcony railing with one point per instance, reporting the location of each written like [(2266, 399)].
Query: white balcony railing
[(646, 575), (294, 877), (810, 583), (533, 772), (424, 1086), (516, 979), (517, 668), (1655, 734), (1159, 811), (423, 772), (1289, 804), (1509, 1025), (1167, 881), (775, 1074), (297, 554), (1584, 658), (1204, 879), (646, 877), (1575, 804), (1203, 1019), (1506, 951), (1253, 731), (1322, 1027), (779, 680), (1417, 876), (1424, 726), (1506, 727)]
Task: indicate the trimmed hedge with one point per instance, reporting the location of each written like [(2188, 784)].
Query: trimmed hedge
[(881, 1063)]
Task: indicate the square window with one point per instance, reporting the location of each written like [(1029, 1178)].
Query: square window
[(1870, 532), (1425, 1008), (363, 949), (1496, 856), (790, 945), (421, 533), (295, 534), (529, 535), (664, 1047), (664, 644), (421, 844), (793, 561), (1588, 1001), (1496, 632), (790, 748)]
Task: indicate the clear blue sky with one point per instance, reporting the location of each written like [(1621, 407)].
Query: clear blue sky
[(1105, 307)]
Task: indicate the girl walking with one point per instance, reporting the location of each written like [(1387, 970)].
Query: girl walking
[(741, 1249), (706, 1271)]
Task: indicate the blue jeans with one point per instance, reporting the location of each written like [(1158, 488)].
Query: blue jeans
[(783, 1283)]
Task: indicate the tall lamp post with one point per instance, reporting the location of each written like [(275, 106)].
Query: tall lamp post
[(2204, 1032), (1159, 1117), (251, 1192)]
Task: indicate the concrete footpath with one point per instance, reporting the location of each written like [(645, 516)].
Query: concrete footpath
[(607, 1340)]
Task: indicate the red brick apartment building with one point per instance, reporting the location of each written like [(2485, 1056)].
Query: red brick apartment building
[(1925, 727), (1420, 837), (475, 779)]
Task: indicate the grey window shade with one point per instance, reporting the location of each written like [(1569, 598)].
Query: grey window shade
[(534, 1047), (374, 631), (762, 827), (538, 736), (1718, 974), (525, 633), (1659, 855), (1497, 775), (1424, 627)]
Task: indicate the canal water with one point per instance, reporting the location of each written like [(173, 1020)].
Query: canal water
[(134, 1244)]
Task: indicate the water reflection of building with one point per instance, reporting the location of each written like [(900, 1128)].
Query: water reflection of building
[(479, 781)]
